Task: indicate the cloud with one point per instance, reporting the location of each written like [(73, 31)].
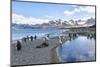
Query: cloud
[(53, 17), (69, 12), (49, 16), (72, 12), (87, 9), (20, 19)]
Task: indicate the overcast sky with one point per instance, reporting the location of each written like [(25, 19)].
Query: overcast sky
[(37, 13)]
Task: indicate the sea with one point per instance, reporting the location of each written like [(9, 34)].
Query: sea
[(20, 33)]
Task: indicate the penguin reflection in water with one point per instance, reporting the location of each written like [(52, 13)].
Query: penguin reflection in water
[(18, 46)]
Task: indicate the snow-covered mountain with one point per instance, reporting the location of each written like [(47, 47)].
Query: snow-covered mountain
[(59, 23)]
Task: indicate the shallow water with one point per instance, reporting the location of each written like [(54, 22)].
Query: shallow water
[(18, 34), (80, 49)]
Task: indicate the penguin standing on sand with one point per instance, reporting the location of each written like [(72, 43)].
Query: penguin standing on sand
[(27, 37), (35, 37), (31, 38), (18, 46), (24, 39)]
